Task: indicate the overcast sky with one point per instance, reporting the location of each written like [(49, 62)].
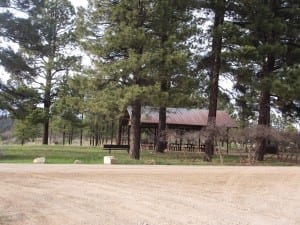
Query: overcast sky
[(77, 3)]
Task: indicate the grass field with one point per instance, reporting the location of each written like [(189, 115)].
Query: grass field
[(58, 154)]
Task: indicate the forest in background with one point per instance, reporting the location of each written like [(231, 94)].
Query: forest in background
[(159, 53)]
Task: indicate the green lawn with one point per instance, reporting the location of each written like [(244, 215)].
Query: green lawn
[(56, 154)]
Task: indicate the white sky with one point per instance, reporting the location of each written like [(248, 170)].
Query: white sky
[(77, 3)]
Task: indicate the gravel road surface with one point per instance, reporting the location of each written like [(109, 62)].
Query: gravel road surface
[(148, 195)]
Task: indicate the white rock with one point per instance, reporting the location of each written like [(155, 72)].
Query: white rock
[(39, 160), (77, 161), (109, 160), (150, 162)]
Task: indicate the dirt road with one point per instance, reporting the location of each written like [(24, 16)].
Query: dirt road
[(152, 195)]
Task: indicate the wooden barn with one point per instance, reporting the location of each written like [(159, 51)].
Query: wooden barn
[(183, 127)]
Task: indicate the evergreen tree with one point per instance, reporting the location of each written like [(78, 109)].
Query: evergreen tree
[(213, 65), (78, 98), (25, 131), (66, 111), (268, 46), (142, 53), (19, 100), (44, 37), (287, 92), (121, 55), (171, 26)]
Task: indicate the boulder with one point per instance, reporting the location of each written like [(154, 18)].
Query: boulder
[(77, 161), (150, 162), (109, 160), (39, 160)]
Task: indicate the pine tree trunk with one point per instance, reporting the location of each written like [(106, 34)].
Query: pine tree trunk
[(135, 131), (264, 120), (214, 78), (112, 132), (265, 98), (161, 132), (71, 136), (23, 134), (81, 130), (96, 134), (106, 132), (162, 120), (161, 141), (120, 132), (47, 104), (81, 136), (64, 134), (46, 132), (50, 137), (264, 109)]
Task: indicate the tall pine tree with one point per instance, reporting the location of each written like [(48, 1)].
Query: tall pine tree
[(116, 35), (171, 26), (268, 45), (213, 64), (43, 36)]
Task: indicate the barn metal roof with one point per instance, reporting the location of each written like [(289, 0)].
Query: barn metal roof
[(184, 116)]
